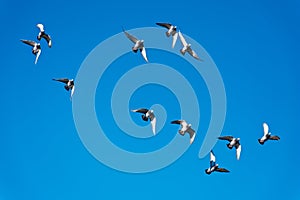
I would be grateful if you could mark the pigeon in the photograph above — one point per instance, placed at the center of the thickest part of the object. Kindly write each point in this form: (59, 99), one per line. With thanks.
(172, 30)
(69, 84)
(213, 166)
(267, 135)
(36, 48)
(187, 47)
(185, 127)
(233, 142)
(138, 45)
(42, 34)
(147, 114)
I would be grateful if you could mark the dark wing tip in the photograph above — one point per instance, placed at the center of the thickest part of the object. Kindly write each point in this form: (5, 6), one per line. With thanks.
(175, 122)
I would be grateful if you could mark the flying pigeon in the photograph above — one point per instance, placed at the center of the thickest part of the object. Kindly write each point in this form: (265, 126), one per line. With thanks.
(185, 127)
(267, 135)
(233, 142)
(138, 45)
(213, 166)
(36, 48)
(69, 84)
(147, 114)
(172, 30)
(187, 47)
(42, 34)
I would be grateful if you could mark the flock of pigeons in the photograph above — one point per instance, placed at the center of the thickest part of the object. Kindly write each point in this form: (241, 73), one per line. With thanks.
(149, 114)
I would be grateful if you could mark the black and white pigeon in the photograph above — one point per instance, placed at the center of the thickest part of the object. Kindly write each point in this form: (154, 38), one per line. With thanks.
(185, 128)
(147, 114)
(42, 34)
(36, 48)
(267, 135)
(69, 84)
(187, 47)
(233, 142)
(213, 165)
(172, 31)
(138, 45)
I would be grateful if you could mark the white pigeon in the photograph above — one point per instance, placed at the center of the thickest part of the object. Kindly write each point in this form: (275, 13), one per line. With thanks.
(69, 84)
(138, 45)
(172, 30)
(36, 48)
(187, 47)
(185, 127)
(147, 114)
(213, 166)
(233, 142)
(267, 135)
(42, 34)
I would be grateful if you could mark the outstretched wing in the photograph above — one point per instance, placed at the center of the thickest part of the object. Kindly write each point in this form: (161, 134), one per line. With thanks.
(183, 42)
(153, 123)
(63, 80)
(72, 92)
(266, 129)
(140, 110)
(228, 138)
(238, 152)
(212, 159)
(222, 170)
(274, 137)
(29, 42)
(175, 36)
(193, 53)
(130, 37)
(192, 134)
(166, 25)
(176, 122)
(143, 51)
(37, 56)
(48, 39)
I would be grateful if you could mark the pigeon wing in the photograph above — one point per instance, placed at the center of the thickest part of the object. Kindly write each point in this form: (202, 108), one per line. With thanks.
(166, 25)
(222, 170)
(63, 80)
(193, 53)
(29, 42)
(141, 110)
(48, 39)
(130, 37)
(183, 42)
(176, 122)
(212, 156)
(153, 123)
(266, 129)
(175, 36)
(274, 137)
(37, 56)
(143, 51)
(238, 152)
(41, 27)
(192, 134)
(72, 92)
(228, 138)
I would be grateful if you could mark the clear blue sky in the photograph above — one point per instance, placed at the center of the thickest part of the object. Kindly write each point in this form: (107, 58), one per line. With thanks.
(255, 46)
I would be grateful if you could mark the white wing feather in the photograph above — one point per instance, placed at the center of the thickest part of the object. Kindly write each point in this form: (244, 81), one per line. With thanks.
(37, 56)
(238, 152)
(212, 157)
(144, 54)
(153, 124)
(184, 43)
(266, 129)
(175, 36)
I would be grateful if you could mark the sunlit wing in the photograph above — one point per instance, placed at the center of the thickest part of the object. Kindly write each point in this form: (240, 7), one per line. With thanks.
(72, 91)
(153, 124)
(175, 36)
(266, 128)
(37, 56)
(183, 42)
(130, 37)
(144, 54)
(238, 152)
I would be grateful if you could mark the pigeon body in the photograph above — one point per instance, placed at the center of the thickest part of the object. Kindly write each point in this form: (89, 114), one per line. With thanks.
(185, 128)
(44, 35)
(69, 84)
(36, 48)
(138, 45)
(233, 142)
(213, 165)
(187, 47)
(267, 135)
(147, 114)
(172, 31)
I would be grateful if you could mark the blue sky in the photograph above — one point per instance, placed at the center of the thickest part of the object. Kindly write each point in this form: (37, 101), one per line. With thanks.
(255, 46)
